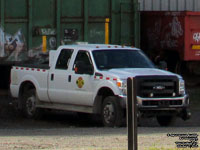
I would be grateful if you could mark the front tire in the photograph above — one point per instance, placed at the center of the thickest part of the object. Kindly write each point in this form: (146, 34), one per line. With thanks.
(112, 112)
(165, 121)
(29, 108)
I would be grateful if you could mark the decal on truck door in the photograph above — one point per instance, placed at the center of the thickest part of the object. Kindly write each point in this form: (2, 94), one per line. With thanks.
(80, 82)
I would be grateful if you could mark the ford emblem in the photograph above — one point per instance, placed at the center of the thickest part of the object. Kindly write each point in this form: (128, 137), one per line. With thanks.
(159, 87)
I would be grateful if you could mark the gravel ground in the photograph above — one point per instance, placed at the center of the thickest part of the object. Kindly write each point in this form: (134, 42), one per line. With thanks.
(68, 131)
(88, 138)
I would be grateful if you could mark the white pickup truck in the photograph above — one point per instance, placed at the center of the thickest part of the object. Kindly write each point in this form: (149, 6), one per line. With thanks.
(92, 79)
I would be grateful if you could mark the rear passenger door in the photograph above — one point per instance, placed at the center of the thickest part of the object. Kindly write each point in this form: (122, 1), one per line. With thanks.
(59, 78)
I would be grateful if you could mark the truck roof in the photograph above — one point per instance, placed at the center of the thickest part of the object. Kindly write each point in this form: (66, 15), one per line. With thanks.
(90, 47)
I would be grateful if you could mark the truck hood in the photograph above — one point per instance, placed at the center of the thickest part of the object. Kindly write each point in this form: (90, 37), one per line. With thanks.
(125, 73)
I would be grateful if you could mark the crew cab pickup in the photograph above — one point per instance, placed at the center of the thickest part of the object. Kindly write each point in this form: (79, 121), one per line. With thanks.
(92, 79)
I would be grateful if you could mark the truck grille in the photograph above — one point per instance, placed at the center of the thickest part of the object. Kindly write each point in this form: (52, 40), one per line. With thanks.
(157, 86)
(162, 103)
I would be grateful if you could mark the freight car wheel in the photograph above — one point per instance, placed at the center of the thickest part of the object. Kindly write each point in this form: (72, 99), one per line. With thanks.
(165, 120)
(112, 112)
(29, 105)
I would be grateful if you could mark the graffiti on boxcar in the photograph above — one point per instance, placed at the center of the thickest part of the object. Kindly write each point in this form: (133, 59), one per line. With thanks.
(170, 33)
(165, 34)
(168, 42)
(11, 46)
(196, 37)
(177, 30)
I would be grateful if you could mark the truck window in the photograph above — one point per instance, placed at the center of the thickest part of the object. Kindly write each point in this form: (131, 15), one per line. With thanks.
(64, 59)
(84, 58)
(112, 59)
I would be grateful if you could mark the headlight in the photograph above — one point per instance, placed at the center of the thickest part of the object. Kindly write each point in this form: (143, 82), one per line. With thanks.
(122, 84)
(181, 87)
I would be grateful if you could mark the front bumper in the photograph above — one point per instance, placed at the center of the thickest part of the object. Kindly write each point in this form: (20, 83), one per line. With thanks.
(149, 107)
(153, 103)
(159, 103)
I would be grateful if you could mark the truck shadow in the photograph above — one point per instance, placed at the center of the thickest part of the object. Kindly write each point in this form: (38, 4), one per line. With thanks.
(61, 119)
(10, 117)
(192, 122)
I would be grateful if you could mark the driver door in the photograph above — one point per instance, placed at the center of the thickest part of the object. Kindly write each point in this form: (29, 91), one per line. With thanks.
(82, 85)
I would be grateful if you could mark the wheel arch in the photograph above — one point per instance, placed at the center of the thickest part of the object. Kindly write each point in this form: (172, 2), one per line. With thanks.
(25, 86)
(102, 93)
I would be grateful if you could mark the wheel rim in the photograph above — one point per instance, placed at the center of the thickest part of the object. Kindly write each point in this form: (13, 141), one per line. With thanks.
(108, 113)
(30, 105)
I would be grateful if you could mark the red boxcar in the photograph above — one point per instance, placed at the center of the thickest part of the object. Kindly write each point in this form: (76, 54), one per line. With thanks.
(174, 35)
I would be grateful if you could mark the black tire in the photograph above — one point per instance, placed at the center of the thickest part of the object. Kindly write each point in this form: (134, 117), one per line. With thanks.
(112, 113)
(29, 108)
(165, 121)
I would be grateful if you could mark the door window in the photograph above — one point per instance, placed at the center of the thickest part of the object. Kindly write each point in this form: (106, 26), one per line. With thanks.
(83, 62)
(64, 59)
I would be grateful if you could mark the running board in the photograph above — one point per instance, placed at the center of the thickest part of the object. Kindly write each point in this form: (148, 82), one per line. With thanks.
(68, 107)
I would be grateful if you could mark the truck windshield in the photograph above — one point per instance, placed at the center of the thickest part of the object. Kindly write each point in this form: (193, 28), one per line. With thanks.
(111, 59)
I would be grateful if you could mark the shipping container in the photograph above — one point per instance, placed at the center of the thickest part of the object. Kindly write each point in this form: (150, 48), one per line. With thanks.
(174, 36)
(30, 28)
(169, 5)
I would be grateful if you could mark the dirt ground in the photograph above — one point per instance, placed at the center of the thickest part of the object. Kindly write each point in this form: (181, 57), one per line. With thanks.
(68, 131)
(90, 138)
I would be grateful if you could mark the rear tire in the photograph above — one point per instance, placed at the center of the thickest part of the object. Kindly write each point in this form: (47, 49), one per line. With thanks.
(112, 113)
(165, 120)
(29, 108)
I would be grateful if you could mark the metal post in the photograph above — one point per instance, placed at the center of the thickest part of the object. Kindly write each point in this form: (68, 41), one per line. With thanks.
(132, 114)
(58, 23)
(44, 43)
(86, 20)
(107, 22)
(30, 24)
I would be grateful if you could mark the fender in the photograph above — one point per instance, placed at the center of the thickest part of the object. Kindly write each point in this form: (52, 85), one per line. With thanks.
(109, 84)
(98, 98)
(41, 90)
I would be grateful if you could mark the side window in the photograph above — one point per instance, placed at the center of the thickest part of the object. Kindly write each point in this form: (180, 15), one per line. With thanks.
(83, 63)
(64, 59)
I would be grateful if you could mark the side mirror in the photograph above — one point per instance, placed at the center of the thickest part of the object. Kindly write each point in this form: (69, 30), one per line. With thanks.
(82, 68)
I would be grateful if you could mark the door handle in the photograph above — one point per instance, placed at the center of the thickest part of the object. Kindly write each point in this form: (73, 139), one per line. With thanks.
(69, 78)
(52, 77)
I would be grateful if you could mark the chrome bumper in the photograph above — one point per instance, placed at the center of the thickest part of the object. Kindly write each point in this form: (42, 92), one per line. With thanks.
(163, 103)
